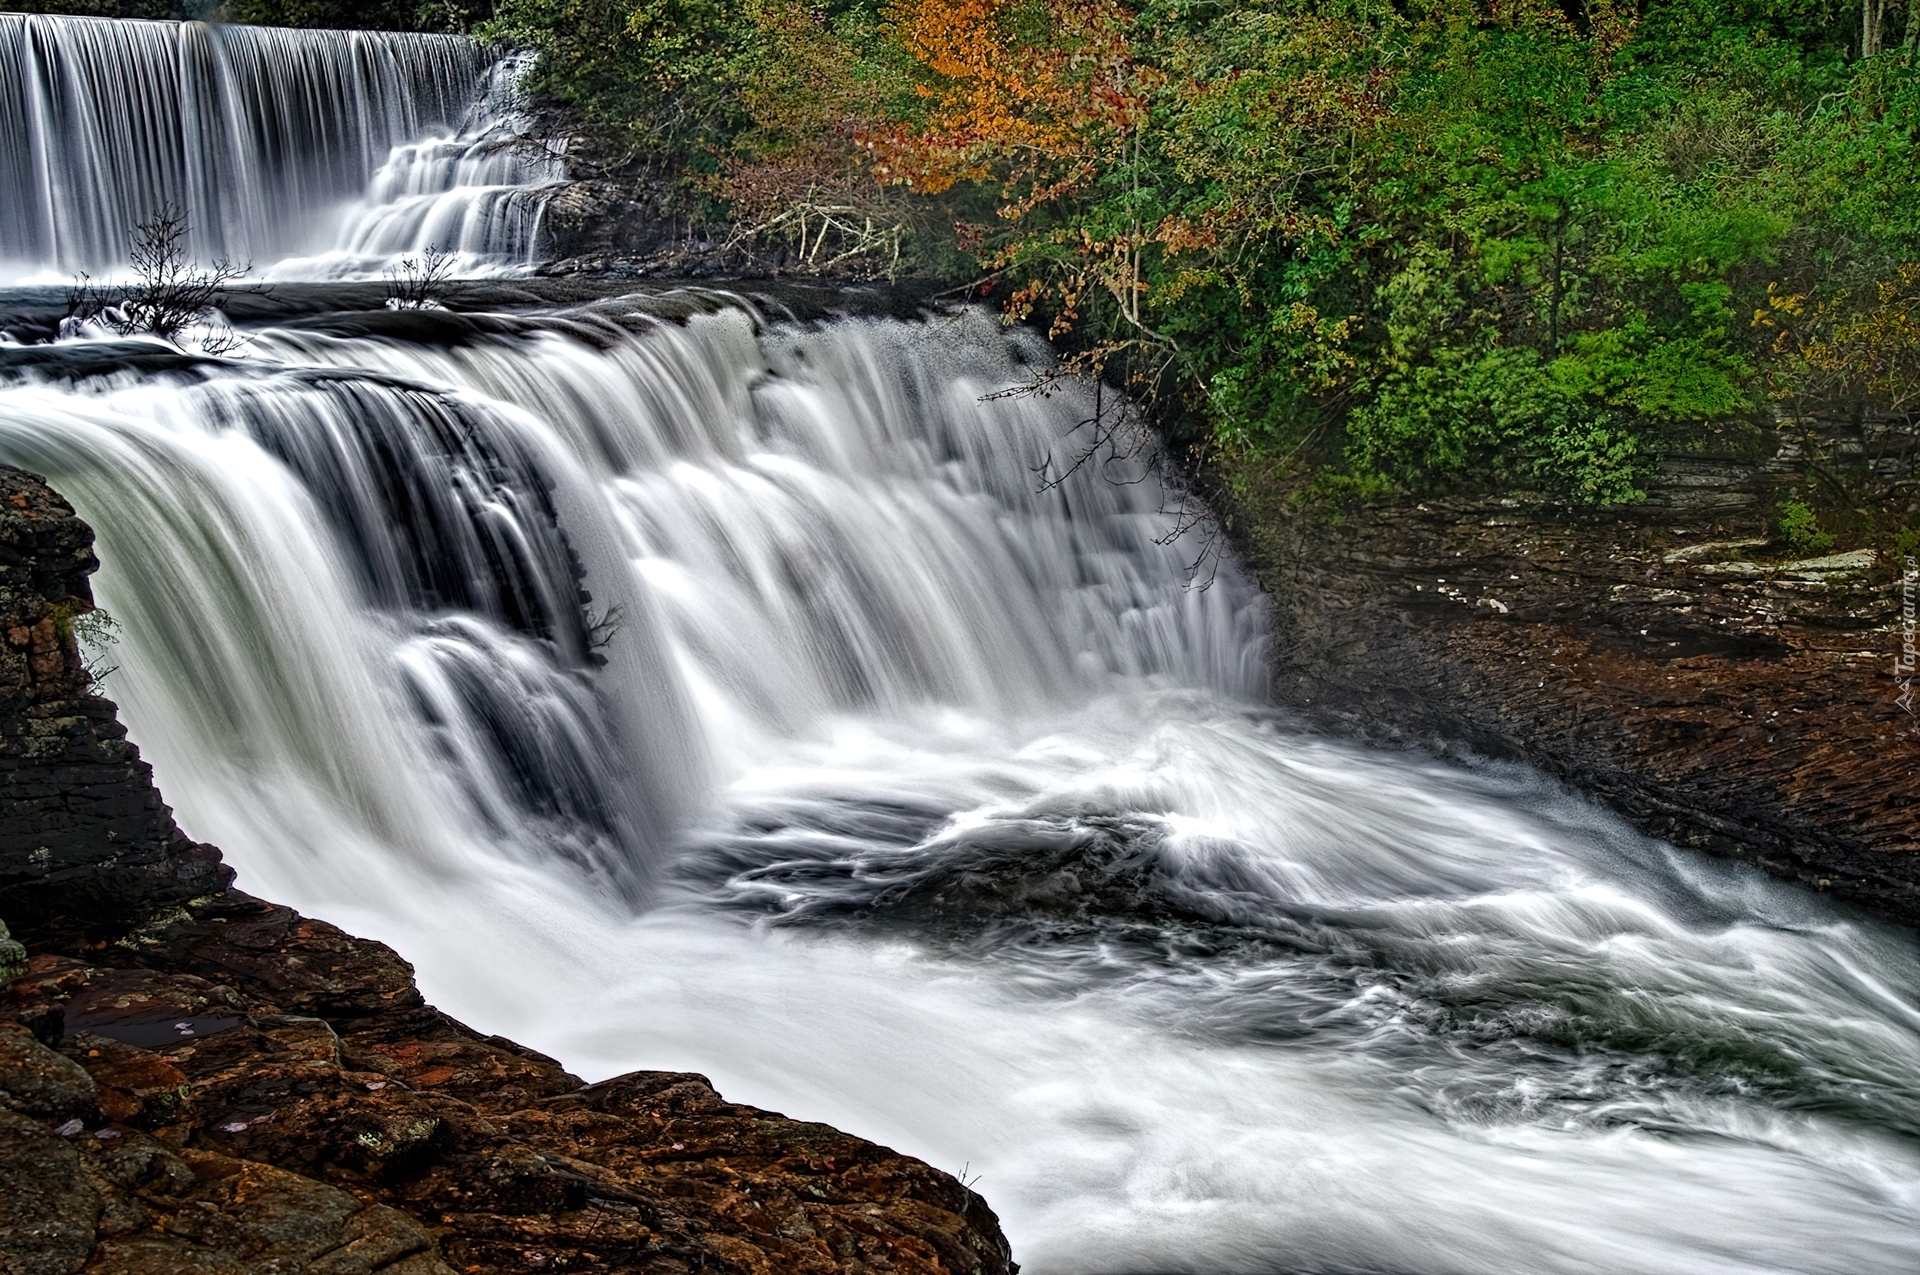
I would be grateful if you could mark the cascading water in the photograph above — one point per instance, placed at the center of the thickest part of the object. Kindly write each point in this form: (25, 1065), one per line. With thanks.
(302, 154)
(476, 195)
(731, 696)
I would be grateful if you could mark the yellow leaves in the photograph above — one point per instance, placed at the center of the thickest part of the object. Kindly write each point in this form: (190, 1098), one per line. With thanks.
(1780, 313)
(1780, 305)
(1185, 281)
(1870, 348)
(1324, 356)
(806, 86)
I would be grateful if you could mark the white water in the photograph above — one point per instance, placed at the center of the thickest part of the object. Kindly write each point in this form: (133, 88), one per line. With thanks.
(299, 154)
(901, 794)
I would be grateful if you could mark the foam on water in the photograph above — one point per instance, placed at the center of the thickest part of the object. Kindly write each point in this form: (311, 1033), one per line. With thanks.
(733, 697)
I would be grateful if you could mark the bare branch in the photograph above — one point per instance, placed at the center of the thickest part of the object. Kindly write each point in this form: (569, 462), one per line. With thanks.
(421, 283)
(169, 293)
(1119, 444)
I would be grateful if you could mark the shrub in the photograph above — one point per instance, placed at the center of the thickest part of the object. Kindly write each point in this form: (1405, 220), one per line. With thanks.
(1499, 417)
(1799, 526)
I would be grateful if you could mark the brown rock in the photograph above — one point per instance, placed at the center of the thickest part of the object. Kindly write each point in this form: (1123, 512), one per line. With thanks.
(128, 1078)
(83, 834)
(37, 1082)
(242, 1216)
(493, 1152)
(1665, 658)
(48, 1209)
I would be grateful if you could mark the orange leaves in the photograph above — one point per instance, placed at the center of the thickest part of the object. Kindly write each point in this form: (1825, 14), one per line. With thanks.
(947, 35)
(1180, 234)
(1041, 111)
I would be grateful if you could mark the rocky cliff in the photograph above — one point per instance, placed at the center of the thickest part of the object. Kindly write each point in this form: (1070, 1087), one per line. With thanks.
(83, 831)
(194, 1080)
(1670, 658)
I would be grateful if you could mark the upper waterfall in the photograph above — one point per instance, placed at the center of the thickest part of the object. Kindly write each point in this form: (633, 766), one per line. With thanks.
(299, 153)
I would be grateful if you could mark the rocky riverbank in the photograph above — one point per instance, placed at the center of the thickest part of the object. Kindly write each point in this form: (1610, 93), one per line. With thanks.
(192, 1079)
(1672, 658)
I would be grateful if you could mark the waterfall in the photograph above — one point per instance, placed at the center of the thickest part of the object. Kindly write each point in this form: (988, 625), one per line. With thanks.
(592, 563)
(729, 694)
(678, 688)
(301, 153)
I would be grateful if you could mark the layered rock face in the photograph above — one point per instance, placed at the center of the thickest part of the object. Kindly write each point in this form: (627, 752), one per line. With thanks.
(83, 832)
(1718, 691)
(193, 1080)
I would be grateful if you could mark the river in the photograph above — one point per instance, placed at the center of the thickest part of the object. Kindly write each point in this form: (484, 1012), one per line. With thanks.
(680, 685)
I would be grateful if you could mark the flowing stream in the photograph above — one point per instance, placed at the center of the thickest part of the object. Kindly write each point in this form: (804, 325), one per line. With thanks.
(726, 695)
(682, 688)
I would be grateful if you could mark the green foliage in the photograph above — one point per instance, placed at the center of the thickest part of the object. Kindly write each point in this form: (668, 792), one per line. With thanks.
(589, 58)
(1445, 244)
(748, 111)
(378, 15)
(162, 10)
(691, 82)
(368, 15)
(1498, 417)
(1335, 491)
(1799, 526)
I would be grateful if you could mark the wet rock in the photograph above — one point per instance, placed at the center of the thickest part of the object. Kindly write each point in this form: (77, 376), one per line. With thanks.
(48, 1209)
(494, 1152)
(1667, 658)
(234, 1215)
(13, 957)
(37, 1082)
(82, 829)
(136, 1178)
(132, 1084)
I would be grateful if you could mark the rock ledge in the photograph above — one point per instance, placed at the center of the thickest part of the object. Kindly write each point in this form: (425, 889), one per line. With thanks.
(236, 1088)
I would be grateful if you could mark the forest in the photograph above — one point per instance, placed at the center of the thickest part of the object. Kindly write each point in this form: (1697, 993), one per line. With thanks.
(1421, 247)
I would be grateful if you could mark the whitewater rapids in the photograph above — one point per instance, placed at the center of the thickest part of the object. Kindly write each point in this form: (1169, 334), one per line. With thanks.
(730, 696)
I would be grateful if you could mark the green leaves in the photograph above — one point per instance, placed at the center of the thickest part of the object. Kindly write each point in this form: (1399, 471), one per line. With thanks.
(1499, 416)
(1444, 243)
(1564, 232)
